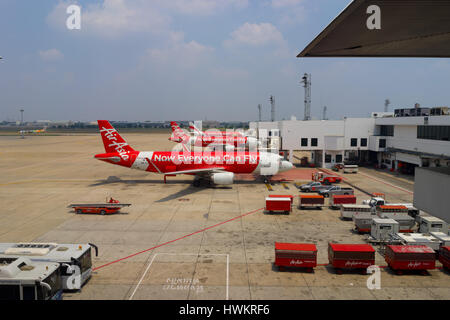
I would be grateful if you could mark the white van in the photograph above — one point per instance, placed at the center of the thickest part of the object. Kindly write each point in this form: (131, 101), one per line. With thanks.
(350, 168)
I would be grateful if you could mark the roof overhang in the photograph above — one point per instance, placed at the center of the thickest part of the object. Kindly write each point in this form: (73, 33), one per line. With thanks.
(408, 28)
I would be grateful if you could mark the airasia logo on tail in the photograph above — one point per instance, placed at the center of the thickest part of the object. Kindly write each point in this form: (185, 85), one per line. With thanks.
(118, 146)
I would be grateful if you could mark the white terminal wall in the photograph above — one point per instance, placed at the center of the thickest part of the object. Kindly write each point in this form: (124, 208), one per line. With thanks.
(432, 191)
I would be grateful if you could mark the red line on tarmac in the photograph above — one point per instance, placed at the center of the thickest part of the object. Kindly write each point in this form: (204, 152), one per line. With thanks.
(183, 237)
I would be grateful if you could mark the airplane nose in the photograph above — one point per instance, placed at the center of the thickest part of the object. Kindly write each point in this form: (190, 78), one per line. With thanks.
(286, 165)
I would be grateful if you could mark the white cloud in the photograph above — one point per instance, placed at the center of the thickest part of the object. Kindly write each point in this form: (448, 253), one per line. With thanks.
(180, 54)
(255, 35)
(51, 55)
(113, 18)
(285, 3)
(202, 7)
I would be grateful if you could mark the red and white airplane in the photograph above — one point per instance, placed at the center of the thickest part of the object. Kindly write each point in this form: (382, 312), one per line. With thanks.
(216, 138)
(214, 133)
(215, 167)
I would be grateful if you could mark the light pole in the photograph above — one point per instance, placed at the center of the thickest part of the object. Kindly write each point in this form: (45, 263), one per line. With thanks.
(21, 123)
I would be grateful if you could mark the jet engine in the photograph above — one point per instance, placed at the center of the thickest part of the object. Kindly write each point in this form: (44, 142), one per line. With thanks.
(222, 178)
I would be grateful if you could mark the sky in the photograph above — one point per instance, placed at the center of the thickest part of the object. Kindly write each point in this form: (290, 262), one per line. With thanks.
(193, 59)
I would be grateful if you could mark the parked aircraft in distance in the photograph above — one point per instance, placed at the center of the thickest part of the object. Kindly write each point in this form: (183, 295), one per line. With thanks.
(33, 131)
(213, 167)
(202, 139)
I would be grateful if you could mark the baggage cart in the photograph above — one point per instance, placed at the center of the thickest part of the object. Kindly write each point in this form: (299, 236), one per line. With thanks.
(298, 255)
(348, 211)
(363, 222)
(351, 256)
(405, 223)
(291, 197)
(419, 239)
(278, 205)
(110, 207)
(410, 257)
(316, 201)
(337, 200)
(444, 257)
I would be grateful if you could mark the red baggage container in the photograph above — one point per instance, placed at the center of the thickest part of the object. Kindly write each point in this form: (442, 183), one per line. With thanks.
(338, 199)
(351, 256)
(282, 196)
(410, 257)
(444, 256)
(278, 205)
(299, 255)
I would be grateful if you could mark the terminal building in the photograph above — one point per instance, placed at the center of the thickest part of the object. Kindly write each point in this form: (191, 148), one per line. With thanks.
(403, 140)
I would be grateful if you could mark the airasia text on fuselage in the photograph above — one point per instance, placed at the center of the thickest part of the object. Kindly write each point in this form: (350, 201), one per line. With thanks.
(200, 157)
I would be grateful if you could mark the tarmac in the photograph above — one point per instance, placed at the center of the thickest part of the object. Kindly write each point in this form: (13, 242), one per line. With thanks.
(186, 242)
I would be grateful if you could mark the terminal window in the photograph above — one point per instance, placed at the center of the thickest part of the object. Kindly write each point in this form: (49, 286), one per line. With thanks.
(327, 158)
(363, 142)
(313, 142)
(382, 143)
(353, 142)
(433, 132)
(304, 142)
(387, 131)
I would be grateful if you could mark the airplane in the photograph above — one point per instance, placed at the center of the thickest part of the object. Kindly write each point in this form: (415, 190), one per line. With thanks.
(34, 131)
(214, 133)
(207, 139)
(212, 167)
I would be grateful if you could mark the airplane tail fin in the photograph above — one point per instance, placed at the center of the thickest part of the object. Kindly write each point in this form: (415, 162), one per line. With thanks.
(176, 130)
(194, 128)
(112, 140)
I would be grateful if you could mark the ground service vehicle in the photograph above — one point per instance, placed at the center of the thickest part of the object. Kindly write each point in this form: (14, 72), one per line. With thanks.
(23, 279)
(382, 229)
(312, 186)
(350, 168)
(75, 259)
(311, 201)
(336, 190)
(348, 211)
(325, 179)
(110, 207)
(432, 224)
(299, 255)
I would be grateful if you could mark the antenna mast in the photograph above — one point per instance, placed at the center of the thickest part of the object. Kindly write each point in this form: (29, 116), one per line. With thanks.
(306, 80)
(272, 108)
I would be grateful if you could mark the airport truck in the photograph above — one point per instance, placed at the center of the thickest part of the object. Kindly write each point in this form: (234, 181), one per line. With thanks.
(336, 190)
(326, 178)
(313, 186)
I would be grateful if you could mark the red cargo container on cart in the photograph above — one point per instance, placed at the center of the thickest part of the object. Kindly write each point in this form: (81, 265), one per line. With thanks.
(444, 256)
(282, 196)
(311, 201)
(299, 255)
(339, 199)
(410, 257)
(351, 256)
(279, 205)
